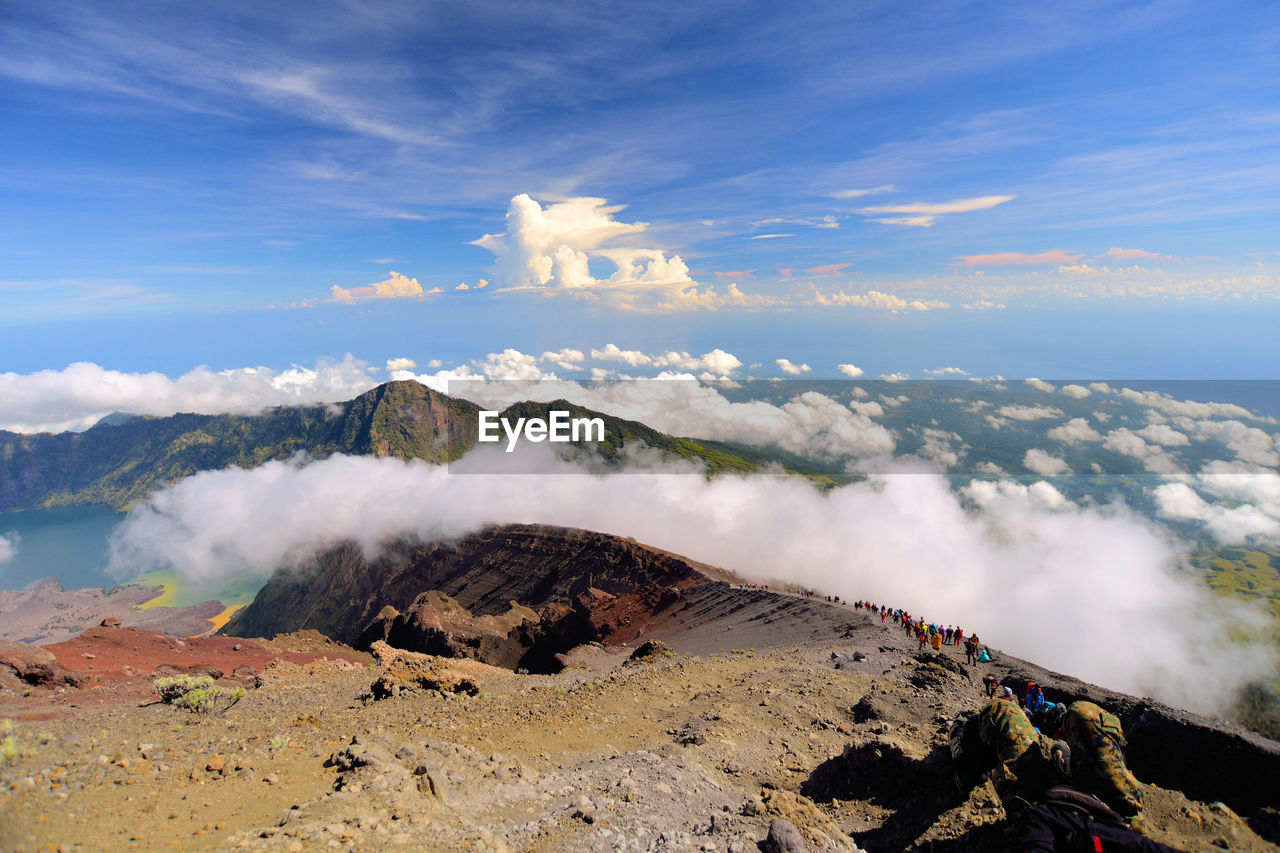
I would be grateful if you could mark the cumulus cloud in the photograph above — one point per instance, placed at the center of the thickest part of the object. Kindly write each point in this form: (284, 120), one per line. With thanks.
(717, 362)
(401, 364)
(1019, 552)
(1079, 392)
(396, 287)
(1250, 513)
(552, 248)
(1250, 444)
(1130, 443)
(947, 371)
(850, 370)
(1168, 405)
(83, 393)
(1165, 435)
(786, 366)
(1029, 413)
(1041, 385)
(1074, 431)
(874, 299)
(566, 359)
(1045, 464)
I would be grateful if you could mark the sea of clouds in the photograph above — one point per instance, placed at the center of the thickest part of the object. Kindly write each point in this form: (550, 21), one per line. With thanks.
(1096, 592)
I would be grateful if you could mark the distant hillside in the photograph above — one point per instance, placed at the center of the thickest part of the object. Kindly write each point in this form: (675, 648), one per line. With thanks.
(119, 464)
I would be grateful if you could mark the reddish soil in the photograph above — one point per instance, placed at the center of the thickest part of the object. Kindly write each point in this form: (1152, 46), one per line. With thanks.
(119, 665)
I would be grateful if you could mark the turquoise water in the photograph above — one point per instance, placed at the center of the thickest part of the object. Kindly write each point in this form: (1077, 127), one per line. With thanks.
(67, 543)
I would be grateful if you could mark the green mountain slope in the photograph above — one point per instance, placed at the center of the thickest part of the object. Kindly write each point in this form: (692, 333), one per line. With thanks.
(119, 465)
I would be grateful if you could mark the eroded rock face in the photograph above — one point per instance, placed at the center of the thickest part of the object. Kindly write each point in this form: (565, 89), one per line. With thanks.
(436, 624)
(484, 572)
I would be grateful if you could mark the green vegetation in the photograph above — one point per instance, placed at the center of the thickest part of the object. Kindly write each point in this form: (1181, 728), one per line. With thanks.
(1250, 574)
(119, 465)
(11, 751)
(196, 693)
(1258, 708)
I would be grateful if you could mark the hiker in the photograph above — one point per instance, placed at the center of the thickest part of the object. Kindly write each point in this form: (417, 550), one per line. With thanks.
(989, 684)
(1097, 758)
(1034, 700)
(1052, 790)
(936, 641)
(1064, 818)
(970, 651)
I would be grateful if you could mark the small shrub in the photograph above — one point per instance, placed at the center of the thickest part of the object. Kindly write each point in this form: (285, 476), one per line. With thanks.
(10, 750)
(196, 693)
(279, 742)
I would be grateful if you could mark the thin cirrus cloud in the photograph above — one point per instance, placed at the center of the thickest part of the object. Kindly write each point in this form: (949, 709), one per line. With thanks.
(828, 269)
(1118, 254)
(846, 194)
(922, 214)
(1054, 257)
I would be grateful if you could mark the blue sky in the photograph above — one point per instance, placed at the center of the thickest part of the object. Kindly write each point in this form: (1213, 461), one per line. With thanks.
(1081, 189)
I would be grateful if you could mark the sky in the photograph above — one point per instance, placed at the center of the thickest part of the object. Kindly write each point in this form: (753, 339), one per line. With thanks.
(1086, 189)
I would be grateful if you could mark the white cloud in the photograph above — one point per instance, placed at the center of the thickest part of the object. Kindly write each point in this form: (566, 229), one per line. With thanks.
(566, 359)
(870, 408)
(1021, 553)
(400, 364)
(1077, 391)
(947, 371)
(1044, 464)
(1029, 413)
(1250, 444)
(1165, 435)
(1186, 408)
(1041, 385)
(396, 287)
(552, 249)
(924, 214)
(8, 547)
(794, 369)
(850, 370)
(1130, 443)
(873, 299)
(1252, 514)
(846, 194)
(717, 362)
(1074, 431)
(83, 393)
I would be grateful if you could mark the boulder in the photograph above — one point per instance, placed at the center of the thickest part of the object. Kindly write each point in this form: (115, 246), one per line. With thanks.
(35, 665)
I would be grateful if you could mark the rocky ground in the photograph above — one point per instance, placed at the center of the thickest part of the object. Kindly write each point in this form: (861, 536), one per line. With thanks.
(707, 748)
(46, 613)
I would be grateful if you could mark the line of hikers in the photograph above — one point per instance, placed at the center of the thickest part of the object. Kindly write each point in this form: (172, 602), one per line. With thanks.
(931, 634)
(1058, 769)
